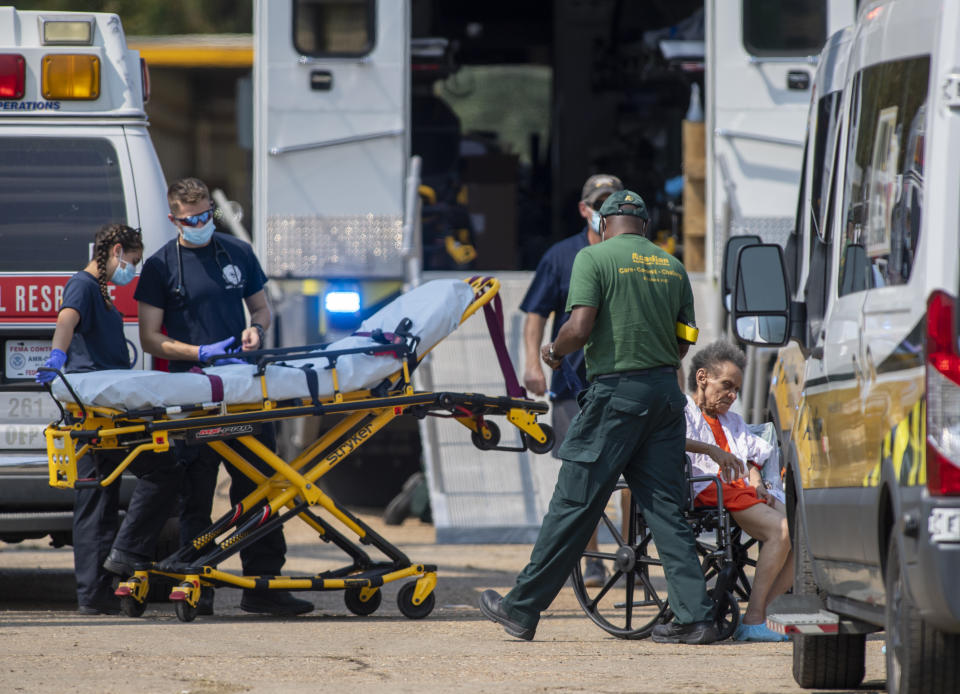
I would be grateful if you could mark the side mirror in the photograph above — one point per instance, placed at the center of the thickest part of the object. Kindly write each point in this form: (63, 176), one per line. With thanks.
(730, 254)
(761, 306)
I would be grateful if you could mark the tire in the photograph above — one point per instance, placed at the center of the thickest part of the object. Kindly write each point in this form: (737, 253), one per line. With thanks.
(628, 604)
(405, 602)
(185, 611)
(535, 445)
(727, 614)
(920, 659)
(486, 444)
(822, 662)
(351, 597)
(131, 607)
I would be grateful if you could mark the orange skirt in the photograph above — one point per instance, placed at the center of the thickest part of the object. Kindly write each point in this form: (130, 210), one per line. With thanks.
(737, 496)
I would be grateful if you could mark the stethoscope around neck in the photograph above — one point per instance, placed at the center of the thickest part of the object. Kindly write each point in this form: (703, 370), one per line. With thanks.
(180, 291)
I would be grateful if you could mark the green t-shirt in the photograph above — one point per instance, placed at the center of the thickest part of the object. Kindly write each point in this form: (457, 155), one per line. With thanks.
(640, 292)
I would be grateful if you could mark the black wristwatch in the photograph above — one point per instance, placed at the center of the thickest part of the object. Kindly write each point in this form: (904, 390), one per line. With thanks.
(260, 332)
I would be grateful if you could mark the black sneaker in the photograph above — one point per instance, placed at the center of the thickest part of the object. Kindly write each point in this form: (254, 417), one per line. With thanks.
(279, 603)
(696, 633)
(108, 607)
(123, 563)
(399, 507)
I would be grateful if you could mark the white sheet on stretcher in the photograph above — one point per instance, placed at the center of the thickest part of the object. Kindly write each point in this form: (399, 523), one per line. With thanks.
(435, 309)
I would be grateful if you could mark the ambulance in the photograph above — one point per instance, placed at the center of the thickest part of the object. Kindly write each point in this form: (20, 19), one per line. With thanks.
(870, 420)
(75, 154)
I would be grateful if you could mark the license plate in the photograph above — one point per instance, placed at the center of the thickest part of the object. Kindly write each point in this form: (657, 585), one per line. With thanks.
(23, 408)
(22, 357)
(944, 525)
(22, 436)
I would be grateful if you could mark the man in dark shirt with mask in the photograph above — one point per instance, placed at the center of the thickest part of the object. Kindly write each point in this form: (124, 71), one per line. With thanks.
(191, 297)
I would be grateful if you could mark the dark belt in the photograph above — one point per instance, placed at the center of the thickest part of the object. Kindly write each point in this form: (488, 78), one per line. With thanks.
(637, 372)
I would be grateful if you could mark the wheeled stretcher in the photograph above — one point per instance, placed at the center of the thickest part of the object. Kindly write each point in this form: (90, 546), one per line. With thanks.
(365, 378)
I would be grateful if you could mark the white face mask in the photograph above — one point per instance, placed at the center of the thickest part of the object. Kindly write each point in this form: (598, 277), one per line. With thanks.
(595, 221)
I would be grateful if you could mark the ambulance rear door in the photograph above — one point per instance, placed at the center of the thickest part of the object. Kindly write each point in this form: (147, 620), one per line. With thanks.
(331, 140)
(760, 64)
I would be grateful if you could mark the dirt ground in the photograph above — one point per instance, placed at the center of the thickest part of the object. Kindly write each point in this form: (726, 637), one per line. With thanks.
(45, 646)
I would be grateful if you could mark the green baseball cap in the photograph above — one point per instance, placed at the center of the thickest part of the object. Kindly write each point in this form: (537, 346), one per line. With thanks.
(624, 202)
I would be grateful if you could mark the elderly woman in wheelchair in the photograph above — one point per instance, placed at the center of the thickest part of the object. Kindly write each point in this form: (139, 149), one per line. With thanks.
(714, 435)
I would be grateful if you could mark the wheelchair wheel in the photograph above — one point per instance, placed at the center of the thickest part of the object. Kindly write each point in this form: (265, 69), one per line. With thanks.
(630, 601)
(727, 615)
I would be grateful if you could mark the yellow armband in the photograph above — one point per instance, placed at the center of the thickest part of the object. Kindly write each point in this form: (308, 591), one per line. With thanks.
(687, 333)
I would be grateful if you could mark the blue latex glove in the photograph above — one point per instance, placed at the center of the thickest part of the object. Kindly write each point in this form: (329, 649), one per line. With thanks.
(56, 361)
(222, 347)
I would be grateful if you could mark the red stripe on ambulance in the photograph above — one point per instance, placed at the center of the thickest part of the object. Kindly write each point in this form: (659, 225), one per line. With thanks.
(37, 298)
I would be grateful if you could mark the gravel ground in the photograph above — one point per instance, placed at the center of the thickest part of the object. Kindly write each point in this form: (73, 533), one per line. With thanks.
(45, 646)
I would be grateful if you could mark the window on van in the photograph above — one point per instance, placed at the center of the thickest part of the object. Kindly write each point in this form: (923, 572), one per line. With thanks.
(333, 27)
(828, 111)
(883, 192)
(788, 27)
(55, 194)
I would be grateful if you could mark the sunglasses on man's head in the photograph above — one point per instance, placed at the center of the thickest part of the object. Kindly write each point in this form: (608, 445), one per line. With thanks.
(196, 219)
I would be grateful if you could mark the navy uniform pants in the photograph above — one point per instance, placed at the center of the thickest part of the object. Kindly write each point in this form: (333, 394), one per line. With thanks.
(96, 520)
(201, 465)
(630, 425)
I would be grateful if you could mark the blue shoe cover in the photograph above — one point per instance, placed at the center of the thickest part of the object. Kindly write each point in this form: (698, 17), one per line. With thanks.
(757, 632)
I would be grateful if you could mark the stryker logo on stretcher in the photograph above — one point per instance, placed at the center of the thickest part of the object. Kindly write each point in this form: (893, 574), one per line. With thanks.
(32, 298)
(29, 105)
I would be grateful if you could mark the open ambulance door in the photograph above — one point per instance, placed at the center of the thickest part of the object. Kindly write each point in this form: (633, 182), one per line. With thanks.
(331, 136)
(760, 65)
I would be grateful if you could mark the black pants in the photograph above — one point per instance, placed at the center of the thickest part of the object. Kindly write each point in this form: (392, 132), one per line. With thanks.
(201, 466)
(96, 520)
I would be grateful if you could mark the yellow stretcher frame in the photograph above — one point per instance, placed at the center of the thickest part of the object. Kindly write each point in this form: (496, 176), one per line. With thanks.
(292, 489)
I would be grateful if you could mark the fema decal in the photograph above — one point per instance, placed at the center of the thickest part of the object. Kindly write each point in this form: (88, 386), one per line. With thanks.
(29, 105)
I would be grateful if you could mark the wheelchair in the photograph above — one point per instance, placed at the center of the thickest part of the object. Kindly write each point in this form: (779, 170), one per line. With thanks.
(632, 601)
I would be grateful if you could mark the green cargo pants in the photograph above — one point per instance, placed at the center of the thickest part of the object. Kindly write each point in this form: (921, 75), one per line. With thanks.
(630, 425)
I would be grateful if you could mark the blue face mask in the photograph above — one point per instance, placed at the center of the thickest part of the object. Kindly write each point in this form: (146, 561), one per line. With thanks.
(200, 236)
(595, 221)
(124, 272)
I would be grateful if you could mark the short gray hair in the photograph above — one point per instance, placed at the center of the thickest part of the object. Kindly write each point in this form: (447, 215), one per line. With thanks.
(711, 356)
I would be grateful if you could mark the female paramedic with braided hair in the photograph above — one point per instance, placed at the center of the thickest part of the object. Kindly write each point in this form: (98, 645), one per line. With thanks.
(89, 337)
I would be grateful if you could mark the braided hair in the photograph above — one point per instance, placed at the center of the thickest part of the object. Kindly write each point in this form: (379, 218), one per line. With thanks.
(108, 237)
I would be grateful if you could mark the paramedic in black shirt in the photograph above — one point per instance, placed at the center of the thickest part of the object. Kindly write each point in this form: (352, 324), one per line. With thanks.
(191, 298)
(89, 337)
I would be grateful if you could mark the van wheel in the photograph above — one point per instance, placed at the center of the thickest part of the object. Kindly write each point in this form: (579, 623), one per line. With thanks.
(920, 658)
(822, 662)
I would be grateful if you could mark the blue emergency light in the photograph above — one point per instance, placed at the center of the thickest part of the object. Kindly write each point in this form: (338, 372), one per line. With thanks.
(340, 301)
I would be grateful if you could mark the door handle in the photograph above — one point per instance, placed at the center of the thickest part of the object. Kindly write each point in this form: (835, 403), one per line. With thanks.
(798, 80)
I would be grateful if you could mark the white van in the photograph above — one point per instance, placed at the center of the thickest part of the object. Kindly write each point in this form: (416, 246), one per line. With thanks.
(872, 453)
(74, 154)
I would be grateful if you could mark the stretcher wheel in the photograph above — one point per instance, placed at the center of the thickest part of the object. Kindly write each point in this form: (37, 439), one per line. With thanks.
(486, 444)
(727, 614)
(405, 602)
(131, 607)
(185, 611)
(351, 597)
(535, 445)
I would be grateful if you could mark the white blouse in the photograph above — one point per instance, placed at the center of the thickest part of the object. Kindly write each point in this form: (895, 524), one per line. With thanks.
(743, 444)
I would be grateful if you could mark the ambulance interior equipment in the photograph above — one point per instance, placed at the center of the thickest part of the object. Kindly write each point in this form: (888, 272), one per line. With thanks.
(365, 377)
